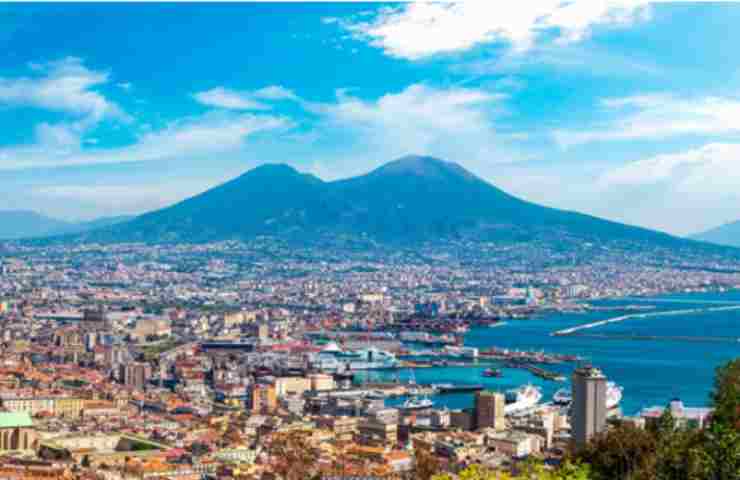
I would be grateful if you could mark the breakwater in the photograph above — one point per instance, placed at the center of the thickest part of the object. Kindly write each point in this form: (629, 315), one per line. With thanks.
(585, 326)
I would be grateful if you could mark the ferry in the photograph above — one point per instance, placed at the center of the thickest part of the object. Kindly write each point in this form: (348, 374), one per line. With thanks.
(522, 398)
(333, 358)
(613, 396)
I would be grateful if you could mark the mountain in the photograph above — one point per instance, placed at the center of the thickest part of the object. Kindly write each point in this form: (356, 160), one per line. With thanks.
(727, 234)
(26, 223)
(15, 224)
(410, 200)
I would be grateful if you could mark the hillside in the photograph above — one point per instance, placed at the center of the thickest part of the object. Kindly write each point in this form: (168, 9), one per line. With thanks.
(410, 200)
(727, 234)
(16, 224)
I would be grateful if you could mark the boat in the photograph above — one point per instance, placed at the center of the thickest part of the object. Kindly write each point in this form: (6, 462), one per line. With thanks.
(459, 388)
(522, 398)
(463, 352)
(366, 359)
(417, 404)
(613, 396)
(375, 395)
(492, 372)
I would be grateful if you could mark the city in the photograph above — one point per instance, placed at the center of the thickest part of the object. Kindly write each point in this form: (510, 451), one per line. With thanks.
(423, 240)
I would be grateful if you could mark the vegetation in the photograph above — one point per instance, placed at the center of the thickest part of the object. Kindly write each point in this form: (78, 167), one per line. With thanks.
(663, 451)
(667, 451)
(531, 471)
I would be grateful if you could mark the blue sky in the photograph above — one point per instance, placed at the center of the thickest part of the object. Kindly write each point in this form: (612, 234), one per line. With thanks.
(627, 110)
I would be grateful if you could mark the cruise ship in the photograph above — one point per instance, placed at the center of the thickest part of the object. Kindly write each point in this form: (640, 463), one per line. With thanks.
(332, 358)
(613, 396)
(522, 398)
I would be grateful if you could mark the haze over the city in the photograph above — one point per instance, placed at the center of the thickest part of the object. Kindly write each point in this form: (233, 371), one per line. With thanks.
(624, 110)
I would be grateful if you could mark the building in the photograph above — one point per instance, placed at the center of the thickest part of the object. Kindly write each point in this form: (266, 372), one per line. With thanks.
(462, 419)
(374, 432)
(16, 431)
(489, 410)
(514, 444)
(589, 412)
(136, 374)
(292, 386)
(344, 427)
(321, 382)
(692, 417)
(61, 406)
(263, 398)
(152, 327)
(94, 320)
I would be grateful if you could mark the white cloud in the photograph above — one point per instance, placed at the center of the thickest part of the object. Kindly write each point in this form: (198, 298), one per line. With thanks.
(275, 92)
(214, 132)
(683, 192)
(229, 99)
(452, 123)
(711, 168)
(64, 86)
(117, 199)
(422, 29)
(221, 97)
(658, 116)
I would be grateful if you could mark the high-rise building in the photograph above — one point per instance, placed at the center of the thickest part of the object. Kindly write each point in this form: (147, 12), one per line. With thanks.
(136, 374)
(588, 415)
(489, 410)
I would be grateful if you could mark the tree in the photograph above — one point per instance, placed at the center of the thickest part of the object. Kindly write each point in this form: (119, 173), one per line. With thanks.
(726, 395)
(720, 453)
(426, 464)
(291, 457)
(621, 452)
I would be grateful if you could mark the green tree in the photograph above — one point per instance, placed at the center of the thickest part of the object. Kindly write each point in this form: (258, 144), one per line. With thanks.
(622, 452)
(726, 395)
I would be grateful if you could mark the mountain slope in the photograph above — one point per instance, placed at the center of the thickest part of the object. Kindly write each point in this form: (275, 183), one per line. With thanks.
(727, 234)
(26, 223)
(16, 224)
(410, 200)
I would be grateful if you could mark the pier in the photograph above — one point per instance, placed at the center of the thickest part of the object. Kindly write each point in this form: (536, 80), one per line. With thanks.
(573, 330)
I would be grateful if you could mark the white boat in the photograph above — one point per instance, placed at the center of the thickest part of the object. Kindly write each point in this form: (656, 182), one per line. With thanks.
(522, 398)
(613, 395)
(417, 404)
(366, 359)
(375, 395)
(464, 352)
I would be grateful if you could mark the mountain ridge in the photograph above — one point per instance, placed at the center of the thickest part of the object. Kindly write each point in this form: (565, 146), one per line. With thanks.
(408, 201)
(727, 234)
(18, 224)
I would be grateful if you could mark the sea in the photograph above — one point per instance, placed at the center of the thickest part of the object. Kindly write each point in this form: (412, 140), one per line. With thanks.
(652, 371)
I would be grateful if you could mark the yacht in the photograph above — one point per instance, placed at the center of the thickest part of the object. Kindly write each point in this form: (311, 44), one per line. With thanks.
(613, 395)
(522, 398)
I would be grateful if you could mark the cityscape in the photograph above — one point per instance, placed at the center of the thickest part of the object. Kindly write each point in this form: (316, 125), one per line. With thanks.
(241, 292)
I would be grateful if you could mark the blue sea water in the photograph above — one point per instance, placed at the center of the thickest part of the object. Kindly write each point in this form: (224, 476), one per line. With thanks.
(652, 372)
